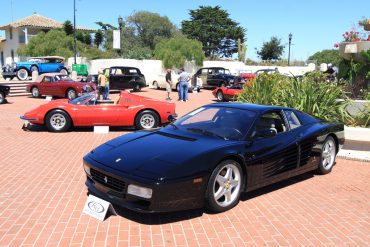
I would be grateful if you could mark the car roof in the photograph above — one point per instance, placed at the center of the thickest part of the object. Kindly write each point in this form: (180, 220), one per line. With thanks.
(251, 107)
(128, 67)
(213, 68)
(41, 77)
(49, 57)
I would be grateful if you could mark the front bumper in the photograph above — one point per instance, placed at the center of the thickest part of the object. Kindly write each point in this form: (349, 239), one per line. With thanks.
(28, 118)
(9, 73)
(166, 197)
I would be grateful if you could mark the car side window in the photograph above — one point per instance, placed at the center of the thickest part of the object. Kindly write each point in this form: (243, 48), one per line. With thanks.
(272, 121)
(47, 79)
(292, 119)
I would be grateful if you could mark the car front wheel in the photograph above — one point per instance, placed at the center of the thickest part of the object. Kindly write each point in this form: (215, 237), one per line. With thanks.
(22, 74)
(35, 92)
(58, 121)
(224, 186)
(220, 96)
(155, 85)
(328, 155)
(146, 120)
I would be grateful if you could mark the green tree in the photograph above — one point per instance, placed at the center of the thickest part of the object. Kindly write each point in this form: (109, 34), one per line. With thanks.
(57, 43)
(98, 38)
(217, 32)
(150, 28)
(87, 38)
(271, 50)
(68, 27)
(107, 30)
(326, 56)
(176, 51)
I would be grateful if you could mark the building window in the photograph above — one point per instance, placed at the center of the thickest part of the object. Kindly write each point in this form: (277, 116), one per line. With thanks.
(11, 33)
(12, 54)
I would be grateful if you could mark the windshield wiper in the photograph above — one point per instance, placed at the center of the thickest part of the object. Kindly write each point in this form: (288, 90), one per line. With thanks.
(174, 126)
(206, 132)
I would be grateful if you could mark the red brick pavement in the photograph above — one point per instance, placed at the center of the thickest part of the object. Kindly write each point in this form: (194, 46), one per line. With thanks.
(42, 194)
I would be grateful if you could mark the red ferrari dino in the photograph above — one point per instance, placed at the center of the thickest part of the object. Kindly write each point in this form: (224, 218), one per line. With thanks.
(128, 110)
(228, 93)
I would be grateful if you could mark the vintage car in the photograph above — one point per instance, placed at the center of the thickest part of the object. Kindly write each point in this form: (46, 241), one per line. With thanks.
(121, 77)
(61, 85)
(214, 77)
(160, 82)
(23, 70)
(210, 156)
(128, 110)
(228, 93)
(4, 91)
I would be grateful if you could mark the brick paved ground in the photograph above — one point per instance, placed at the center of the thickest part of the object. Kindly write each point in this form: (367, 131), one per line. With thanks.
(42, 194)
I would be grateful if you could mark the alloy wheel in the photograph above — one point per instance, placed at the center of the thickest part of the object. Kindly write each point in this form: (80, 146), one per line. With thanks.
(57, 121)
(227, 185)
(147, 121)
(35, 92)
(328, 154)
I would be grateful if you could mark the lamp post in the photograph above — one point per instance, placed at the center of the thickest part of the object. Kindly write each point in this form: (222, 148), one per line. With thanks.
(290, 42)
(120, 24)
(74, 31)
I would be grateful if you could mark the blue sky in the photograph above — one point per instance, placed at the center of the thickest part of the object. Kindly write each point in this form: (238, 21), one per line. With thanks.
(315, 24)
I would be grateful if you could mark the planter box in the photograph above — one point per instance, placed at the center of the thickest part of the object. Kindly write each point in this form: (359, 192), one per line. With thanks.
(350, 50)
(357, 134)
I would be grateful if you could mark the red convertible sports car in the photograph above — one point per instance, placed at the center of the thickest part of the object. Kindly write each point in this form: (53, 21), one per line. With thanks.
(228, 93)
(56, 84)
(127, 110)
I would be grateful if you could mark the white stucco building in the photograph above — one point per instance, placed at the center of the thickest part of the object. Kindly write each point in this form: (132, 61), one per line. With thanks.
(19, 32)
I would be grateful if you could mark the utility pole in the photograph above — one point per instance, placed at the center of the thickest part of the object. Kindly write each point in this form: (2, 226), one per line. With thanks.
(74, 30)
(120, 24)
(290, 42)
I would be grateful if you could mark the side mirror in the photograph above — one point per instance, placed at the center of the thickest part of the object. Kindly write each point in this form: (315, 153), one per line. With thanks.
(172, 118)
(266, 133)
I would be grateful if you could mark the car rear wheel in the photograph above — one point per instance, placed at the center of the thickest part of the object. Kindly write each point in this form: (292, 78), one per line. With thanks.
(220, 96)
(328, 155)
(146, 120)
(63, 71)
(224, 186)
(35, 92)
(22, 74)
(178, 87)
(71, 94)
(58, 121)
(2, 97)
(137, 87)
(155, 85)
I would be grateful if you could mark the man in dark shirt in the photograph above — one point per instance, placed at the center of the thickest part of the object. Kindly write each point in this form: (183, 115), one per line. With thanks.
(168, 84)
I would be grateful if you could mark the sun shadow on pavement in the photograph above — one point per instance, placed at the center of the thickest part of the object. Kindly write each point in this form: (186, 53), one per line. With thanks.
(157, 218)
(276, 186)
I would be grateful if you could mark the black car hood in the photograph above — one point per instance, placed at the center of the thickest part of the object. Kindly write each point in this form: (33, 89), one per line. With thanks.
(153, 154)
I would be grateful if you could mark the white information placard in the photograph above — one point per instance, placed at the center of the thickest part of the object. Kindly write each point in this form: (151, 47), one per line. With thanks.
(49, 98)
(98, 208)
(116, 39)
(101, 129)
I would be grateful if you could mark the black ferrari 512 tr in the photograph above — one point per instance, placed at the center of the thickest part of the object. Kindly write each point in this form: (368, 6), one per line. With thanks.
(209, 156)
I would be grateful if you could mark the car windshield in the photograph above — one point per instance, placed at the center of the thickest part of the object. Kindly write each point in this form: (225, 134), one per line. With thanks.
(62, 78)
(87, 99)
(227, 123)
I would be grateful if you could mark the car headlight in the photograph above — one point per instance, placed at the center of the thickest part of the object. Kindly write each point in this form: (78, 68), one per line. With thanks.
(87, 169)
(14, 65)
(139, 191)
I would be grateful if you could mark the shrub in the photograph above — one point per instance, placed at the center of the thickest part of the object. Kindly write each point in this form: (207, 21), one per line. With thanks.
(312, 95)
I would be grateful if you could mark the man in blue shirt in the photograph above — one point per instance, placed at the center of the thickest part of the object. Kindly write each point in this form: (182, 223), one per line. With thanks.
(184, 79)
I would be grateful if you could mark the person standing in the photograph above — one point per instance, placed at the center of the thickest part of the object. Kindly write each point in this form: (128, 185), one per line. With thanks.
(106, 89)
(184, 85)
(102, 80)
(168, 84)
